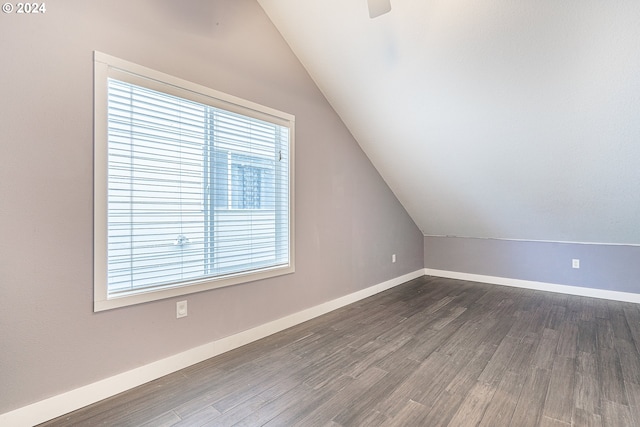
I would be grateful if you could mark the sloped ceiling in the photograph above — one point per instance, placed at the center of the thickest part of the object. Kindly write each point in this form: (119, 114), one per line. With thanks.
(492, 118)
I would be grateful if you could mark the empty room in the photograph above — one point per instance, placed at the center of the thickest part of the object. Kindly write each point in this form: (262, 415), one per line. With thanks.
(320, 213)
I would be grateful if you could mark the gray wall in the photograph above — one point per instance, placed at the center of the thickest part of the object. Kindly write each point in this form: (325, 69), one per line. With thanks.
(348, 223)
(609, 267)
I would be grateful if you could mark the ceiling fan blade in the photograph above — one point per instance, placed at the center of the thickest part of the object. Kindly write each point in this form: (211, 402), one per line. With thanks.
(378, 7)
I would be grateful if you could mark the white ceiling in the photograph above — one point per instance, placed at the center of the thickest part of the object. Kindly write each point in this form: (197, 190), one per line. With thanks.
(500, 119)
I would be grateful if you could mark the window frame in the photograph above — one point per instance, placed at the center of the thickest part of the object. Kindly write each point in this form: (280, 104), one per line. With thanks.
(105, 67)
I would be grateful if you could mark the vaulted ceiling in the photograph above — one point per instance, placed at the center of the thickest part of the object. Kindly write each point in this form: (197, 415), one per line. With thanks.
(497, 118)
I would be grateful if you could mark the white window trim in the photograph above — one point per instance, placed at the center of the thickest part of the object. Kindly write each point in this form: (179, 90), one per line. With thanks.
(106, 66)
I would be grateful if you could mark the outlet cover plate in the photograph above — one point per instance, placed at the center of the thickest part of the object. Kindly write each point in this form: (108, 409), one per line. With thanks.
(181, 309)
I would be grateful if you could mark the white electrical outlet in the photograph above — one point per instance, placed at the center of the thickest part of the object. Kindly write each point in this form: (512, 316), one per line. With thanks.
(181, 309)
(393, 258)
(575, 263)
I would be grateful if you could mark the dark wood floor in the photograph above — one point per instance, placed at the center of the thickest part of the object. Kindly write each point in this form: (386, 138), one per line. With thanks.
(432, 352)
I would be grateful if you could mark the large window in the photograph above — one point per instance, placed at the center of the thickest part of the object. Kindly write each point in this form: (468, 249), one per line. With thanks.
(193, 188)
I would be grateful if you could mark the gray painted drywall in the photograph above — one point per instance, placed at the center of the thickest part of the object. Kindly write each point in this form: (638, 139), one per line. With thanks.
(348, 222)
(609, 267)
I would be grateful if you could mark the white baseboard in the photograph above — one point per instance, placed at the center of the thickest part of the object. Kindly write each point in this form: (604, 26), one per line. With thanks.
(540, 286)
(61, 404)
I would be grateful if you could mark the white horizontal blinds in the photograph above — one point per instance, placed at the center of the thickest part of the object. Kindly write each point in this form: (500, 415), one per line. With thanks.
(193, 191)
(249, 227)
(155, 188)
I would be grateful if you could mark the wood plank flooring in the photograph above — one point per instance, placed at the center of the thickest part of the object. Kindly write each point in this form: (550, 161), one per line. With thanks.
(431, 352)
